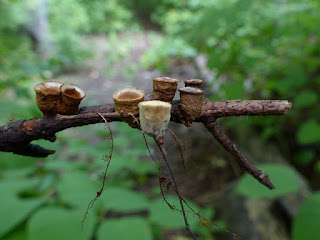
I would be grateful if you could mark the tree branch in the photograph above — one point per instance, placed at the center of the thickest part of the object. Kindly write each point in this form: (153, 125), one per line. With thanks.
(231, 148)
(17, 136)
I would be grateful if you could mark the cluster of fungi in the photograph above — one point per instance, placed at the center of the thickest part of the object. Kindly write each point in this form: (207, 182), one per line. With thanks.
(150, 113)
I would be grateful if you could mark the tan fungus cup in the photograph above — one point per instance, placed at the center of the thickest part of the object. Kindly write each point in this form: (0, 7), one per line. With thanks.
(126, 101)
(48, 97)
(154, 117)
(71, 96)
(191, 100)
(196, 83)
(164, 88)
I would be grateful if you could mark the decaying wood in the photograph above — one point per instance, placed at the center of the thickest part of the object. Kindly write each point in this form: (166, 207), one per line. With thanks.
(17, 136)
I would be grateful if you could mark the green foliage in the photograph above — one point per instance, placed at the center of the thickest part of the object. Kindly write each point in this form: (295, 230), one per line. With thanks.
(107, 16)
(309, 132)
(14, 208)
(39, 199)
(125, 228)
(257, 49)
(164, 49)
(306, 224)
(284, 178)
(57, 223)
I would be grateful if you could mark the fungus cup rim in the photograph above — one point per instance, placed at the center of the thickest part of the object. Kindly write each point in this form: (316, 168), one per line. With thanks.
(191, 90)
(155, 103)
(117, 93)
(166, 79)
(75, 87)
(39, 88)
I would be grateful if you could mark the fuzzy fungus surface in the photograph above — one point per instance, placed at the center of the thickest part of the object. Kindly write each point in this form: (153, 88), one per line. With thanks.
(154, 117)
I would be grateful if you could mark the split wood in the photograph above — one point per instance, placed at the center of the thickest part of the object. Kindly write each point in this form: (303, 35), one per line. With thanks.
(18, 135)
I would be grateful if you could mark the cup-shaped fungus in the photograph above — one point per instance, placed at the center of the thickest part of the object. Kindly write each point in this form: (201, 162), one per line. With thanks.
(191, 100)
(196, 83)
(48, 97)
(71, 96)
(164, 88)
(154, 117)
(126, 101)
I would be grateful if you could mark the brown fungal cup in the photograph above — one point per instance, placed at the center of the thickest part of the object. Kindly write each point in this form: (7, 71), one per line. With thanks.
(191, 100)
(164, 88)
(48, 97)
(126, 101)
(196, 83)
(71, 96)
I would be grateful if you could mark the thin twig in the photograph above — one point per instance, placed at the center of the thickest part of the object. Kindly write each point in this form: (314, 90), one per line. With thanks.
(159, 142)
(224, 140)
(107, 158)
(180, 145)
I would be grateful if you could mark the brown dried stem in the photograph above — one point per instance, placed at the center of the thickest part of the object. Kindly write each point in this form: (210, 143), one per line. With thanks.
(107, 158)
(231, 148)
(159, 142)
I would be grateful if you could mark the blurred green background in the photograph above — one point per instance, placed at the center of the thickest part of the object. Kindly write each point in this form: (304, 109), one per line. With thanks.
(242, 49)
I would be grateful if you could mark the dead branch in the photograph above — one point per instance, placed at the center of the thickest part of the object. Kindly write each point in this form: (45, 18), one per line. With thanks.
(17, 136)
(231, 148)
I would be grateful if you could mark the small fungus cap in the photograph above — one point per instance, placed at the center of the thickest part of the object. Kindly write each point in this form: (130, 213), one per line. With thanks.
(73, 91)
(128, 94)
(194, 81)
(166, 79)
(155, 104)
(48, 88)
(191, 90)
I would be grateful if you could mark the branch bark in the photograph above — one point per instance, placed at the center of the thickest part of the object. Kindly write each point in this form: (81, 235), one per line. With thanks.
(17, 136)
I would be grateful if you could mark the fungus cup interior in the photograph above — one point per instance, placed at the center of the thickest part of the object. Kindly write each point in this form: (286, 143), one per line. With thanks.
(73, 91)
(48, 88)
(128, 94)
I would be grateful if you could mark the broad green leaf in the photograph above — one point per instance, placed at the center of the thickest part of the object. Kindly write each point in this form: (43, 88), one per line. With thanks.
(284, 179)
(161, 215)
(19, 233)
(305, 99)
(53, 223)
(133, 228)
(15, 173)
(306, 225)
(123, 200)
(305, 157)
(77, 189)
(13, 209)
(309, 132)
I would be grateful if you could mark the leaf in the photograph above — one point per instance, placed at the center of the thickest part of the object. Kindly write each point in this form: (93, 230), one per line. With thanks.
(284, 178)
(306, 224)
(133, 228)
(13, 209)
(123, 200)
(77, 189)
(305, 157)
(54, 223)
(19, 233)
(163, 216)
(309, 132)
(305, 99)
